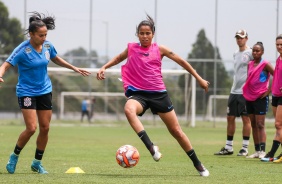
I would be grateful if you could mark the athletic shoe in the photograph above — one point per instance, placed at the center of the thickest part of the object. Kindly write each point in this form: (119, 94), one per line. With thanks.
(262, 154)
(243, 152)
(255, 155)
(224, 151)
(268, 158)
(279, 159)
(157, 155)
(202, 170)
(12, 163)
(37, 167)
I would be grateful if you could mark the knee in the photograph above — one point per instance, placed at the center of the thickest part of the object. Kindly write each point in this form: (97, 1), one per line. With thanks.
(129, 110)
(31, 130)
(260, 124)
(177, 133)
(44, 129)
(278, 124)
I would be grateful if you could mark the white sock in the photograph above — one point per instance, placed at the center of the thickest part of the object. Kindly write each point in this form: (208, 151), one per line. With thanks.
(229, 145)
(245, 144)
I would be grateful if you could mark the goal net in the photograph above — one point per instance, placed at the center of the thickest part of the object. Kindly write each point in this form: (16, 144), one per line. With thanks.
(216, 108)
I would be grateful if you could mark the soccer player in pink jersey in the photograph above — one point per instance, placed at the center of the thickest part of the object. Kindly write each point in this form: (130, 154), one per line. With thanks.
(276, 89)
(144, 88)
(256, 91)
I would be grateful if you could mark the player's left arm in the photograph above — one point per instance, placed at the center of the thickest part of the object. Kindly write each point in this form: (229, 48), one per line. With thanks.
(268, 68)
(61, 62)
(164, 51)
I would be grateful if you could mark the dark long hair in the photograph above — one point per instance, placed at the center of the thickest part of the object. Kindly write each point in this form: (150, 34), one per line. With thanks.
(279, 37)
(149, 22)
(261, 45)
(38, 20)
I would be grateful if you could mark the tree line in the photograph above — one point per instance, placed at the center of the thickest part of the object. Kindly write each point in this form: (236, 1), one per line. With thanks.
(12, 34)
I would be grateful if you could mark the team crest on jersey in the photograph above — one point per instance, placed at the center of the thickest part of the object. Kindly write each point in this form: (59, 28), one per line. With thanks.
(47, 46)
(245, 58)
(27, 50)
(47, 55)
(27, 101)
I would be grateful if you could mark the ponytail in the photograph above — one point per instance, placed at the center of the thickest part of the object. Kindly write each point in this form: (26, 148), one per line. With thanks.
(38, 20)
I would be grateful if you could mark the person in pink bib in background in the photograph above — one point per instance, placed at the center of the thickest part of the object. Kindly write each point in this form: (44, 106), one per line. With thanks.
(256, 91)
(144, 88)
(276, 106)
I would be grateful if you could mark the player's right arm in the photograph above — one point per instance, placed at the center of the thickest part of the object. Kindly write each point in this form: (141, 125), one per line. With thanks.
(114, 61)
(4, 67)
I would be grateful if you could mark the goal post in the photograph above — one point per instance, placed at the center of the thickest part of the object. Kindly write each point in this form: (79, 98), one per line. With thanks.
(210, 106)
(84, 94)
(189, 98)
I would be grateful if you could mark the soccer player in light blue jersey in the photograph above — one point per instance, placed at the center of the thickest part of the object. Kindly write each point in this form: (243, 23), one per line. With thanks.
(34, 88)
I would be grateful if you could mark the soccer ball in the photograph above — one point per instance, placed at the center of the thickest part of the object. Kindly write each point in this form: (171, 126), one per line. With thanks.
(127, 156)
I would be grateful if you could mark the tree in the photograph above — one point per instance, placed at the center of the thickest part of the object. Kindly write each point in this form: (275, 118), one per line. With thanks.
(203, 49)
(10, 31)
(80, 58)
(11, 35)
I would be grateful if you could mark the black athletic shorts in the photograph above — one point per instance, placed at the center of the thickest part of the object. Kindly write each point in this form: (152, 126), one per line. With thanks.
(157, 102)
(258, 107)
(236, 105)
(43, 102)
(276, 101)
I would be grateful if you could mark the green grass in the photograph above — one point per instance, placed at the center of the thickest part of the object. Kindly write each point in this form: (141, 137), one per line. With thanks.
(92, 148)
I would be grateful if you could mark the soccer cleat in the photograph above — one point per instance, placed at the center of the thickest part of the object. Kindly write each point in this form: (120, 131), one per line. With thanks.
(268, 158)
(224, 151)
(243, 152)
(202, 170)
(261, 154)
(12, 163)
(157, 155)
(37, 167)
(255, 155)
(279, 159)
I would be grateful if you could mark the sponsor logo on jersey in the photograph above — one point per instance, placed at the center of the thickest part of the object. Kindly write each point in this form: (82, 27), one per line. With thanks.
(246, 58)
(27, 50)
(47, 46)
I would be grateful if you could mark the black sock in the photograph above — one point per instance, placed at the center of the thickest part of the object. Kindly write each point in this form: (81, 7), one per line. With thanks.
(146, 140)
(17, 150)
(39, 154)
(262, 146)
(274, 148)
(229, 138)
(257, 147)
(246, 138)
(192, 155)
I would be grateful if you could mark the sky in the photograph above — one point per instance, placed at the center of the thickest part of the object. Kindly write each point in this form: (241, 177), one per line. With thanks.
(177, 23)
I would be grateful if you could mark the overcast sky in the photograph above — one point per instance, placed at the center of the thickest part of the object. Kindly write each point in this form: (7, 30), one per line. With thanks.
(177, 25)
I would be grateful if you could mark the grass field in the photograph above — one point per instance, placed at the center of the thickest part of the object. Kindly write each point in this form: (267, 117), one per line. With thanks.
(92, 148)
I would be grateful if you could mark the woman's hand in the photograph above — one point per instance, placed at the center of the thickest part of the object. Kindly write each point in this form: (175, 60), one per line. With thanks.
(81, 71)
(101, 74)
(204, 84)
(265, 94)
(1, 80)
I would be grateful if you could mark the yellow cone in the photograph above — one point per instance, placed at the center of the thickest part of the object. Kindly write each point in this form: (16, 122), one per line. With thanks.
(74, 170)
